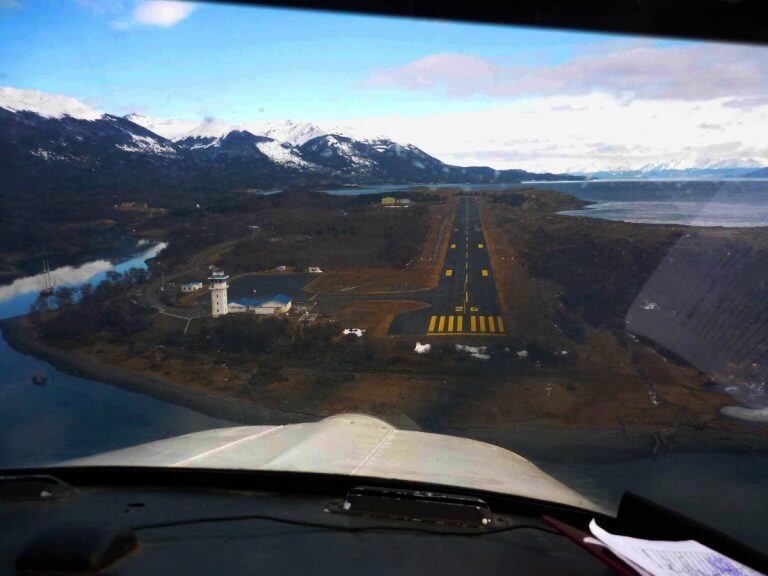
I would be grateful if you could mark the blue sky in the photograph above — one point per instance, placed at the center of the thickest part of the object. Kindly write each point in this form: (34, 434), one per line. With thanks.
(469, 94)
(234, 62)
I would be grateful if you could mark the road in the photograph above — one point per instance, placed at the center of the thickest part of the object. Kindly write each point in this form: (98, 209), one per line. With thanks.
(465, 302)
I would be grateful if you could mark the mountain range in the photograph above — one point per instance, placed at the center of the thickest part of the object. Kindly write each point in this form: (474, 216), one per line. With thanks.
(55, 141)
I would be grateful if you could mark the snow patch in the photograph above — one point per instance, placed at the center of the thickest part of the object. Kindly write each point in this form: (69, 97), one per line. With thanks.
(171, 129)
(422, 348)
(749, 414)
(346, 150)
(146, 145)
(47, 105)
(356, 331)
(49, 156)
(480, 352)
(283, 154)
(522, 354)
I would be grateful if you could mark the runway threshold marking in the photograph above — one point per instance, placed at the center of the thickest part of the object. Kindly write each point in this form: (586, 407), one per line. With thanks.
(482, 323)
(441, 324)
(432, 322)
(459, 323)
(491, 324)
(500, 323)
(450, 323)
(473, 324)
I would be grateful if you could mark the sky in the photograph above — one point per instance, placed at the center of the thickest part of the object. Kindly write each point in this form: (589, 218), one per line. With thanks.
(506, 97)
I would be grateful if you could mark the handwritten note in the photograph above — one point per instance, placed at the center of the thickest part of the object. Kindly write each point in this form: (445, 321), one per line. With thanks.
(665, 558)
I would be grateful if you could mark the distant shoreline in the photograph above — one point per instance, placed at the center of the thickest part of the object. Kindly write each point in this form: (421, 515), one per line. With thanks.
(538, 441)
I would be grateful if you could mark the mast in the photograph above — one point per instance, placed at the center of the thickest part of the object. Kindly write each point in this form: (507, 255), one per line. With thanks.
(48, 284)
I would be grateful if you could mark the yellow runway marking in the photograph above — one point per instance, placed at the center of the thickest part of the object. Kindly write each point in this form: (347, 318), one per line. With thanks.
(450, 323)
(482, 323)
(432, 322)
(479, 245)
(491, 324)
(484, 272)
(448, 273)
(453, 246)
(472, 324)
(500, 323)
(459, 323)
(441, 324)
(466, 265)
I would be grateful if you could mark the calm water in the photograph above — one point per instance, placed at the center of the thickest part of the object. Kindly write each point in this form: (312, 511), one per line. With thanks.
(733, 202)
(69, 416)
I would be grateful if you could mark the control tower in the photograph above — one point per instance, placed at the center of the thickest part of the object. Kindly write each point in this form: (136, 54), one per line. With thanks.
(218, 285)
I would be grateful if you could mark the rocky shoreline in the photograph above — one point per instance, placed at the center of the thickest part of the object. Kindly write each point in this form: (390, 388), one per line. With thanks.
(21, 337)
(537, 440)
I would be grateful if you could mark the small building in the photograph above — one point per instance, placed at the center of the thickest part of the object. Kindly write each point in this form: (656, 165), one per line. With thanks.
(271, 306)
(192, 286)
(403, 201)
(282, 268)
(314, 270)
(388, 201)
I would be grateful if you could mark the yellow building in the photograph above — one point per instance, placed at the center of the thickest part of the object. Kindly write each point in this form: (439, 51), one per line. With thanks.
(388, 201)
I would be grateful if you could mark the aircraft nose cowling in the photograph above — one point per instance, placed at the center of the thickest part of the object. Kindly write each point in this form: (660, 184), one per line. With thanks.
(355, 445)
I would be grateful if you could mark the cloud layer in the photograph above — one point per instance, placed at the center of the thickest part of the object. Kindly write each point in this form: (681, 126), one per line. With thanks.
(626, 70)
(589, 132)
(159, 13)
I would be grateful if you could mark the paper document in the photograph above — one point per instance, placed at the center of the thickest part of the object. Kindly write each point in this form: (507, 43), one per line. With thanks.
(665, 558)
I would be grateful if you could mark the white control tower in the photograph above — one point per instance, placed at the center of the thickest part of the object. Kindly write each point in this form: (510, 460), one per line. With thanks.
(218, 285)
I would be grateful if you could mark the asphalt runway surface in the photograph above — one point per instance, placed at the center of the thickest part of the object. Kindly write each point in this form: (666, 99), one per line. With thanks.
(465, 302)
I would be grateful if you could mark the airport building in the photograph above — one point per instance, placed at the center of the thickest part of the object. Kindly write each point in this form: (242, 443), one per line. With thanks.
(191, 286)
(274, 305)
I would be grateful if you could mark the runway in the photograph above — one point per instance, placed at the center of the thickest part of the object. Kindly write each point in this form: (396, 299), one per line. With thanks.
(465, 302)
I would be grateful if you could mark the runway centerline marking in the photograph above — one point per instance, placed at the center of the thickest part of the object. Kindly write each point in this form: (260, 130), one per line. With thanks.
(448, 273)
(484, 272)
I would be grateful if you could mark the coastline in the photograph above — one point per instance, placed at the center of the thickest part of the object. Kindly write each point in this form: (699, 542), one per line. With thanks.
(19, 336)
(539, 441)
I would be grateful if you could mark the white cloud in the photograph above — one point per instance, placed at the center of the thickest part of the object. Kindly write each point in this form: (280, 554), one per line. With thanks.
(628, 70)
(587, 133)
(160, 13)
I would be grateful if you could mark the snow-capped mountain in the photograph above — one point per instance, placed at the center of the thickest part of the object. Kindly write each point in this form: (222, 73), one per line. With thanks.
(46, 105)
(295, 133)
(58, 141)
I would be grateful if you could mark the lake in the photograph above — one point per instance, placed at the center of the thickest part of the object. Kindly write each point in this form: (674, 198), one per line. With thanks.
(70, 417)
